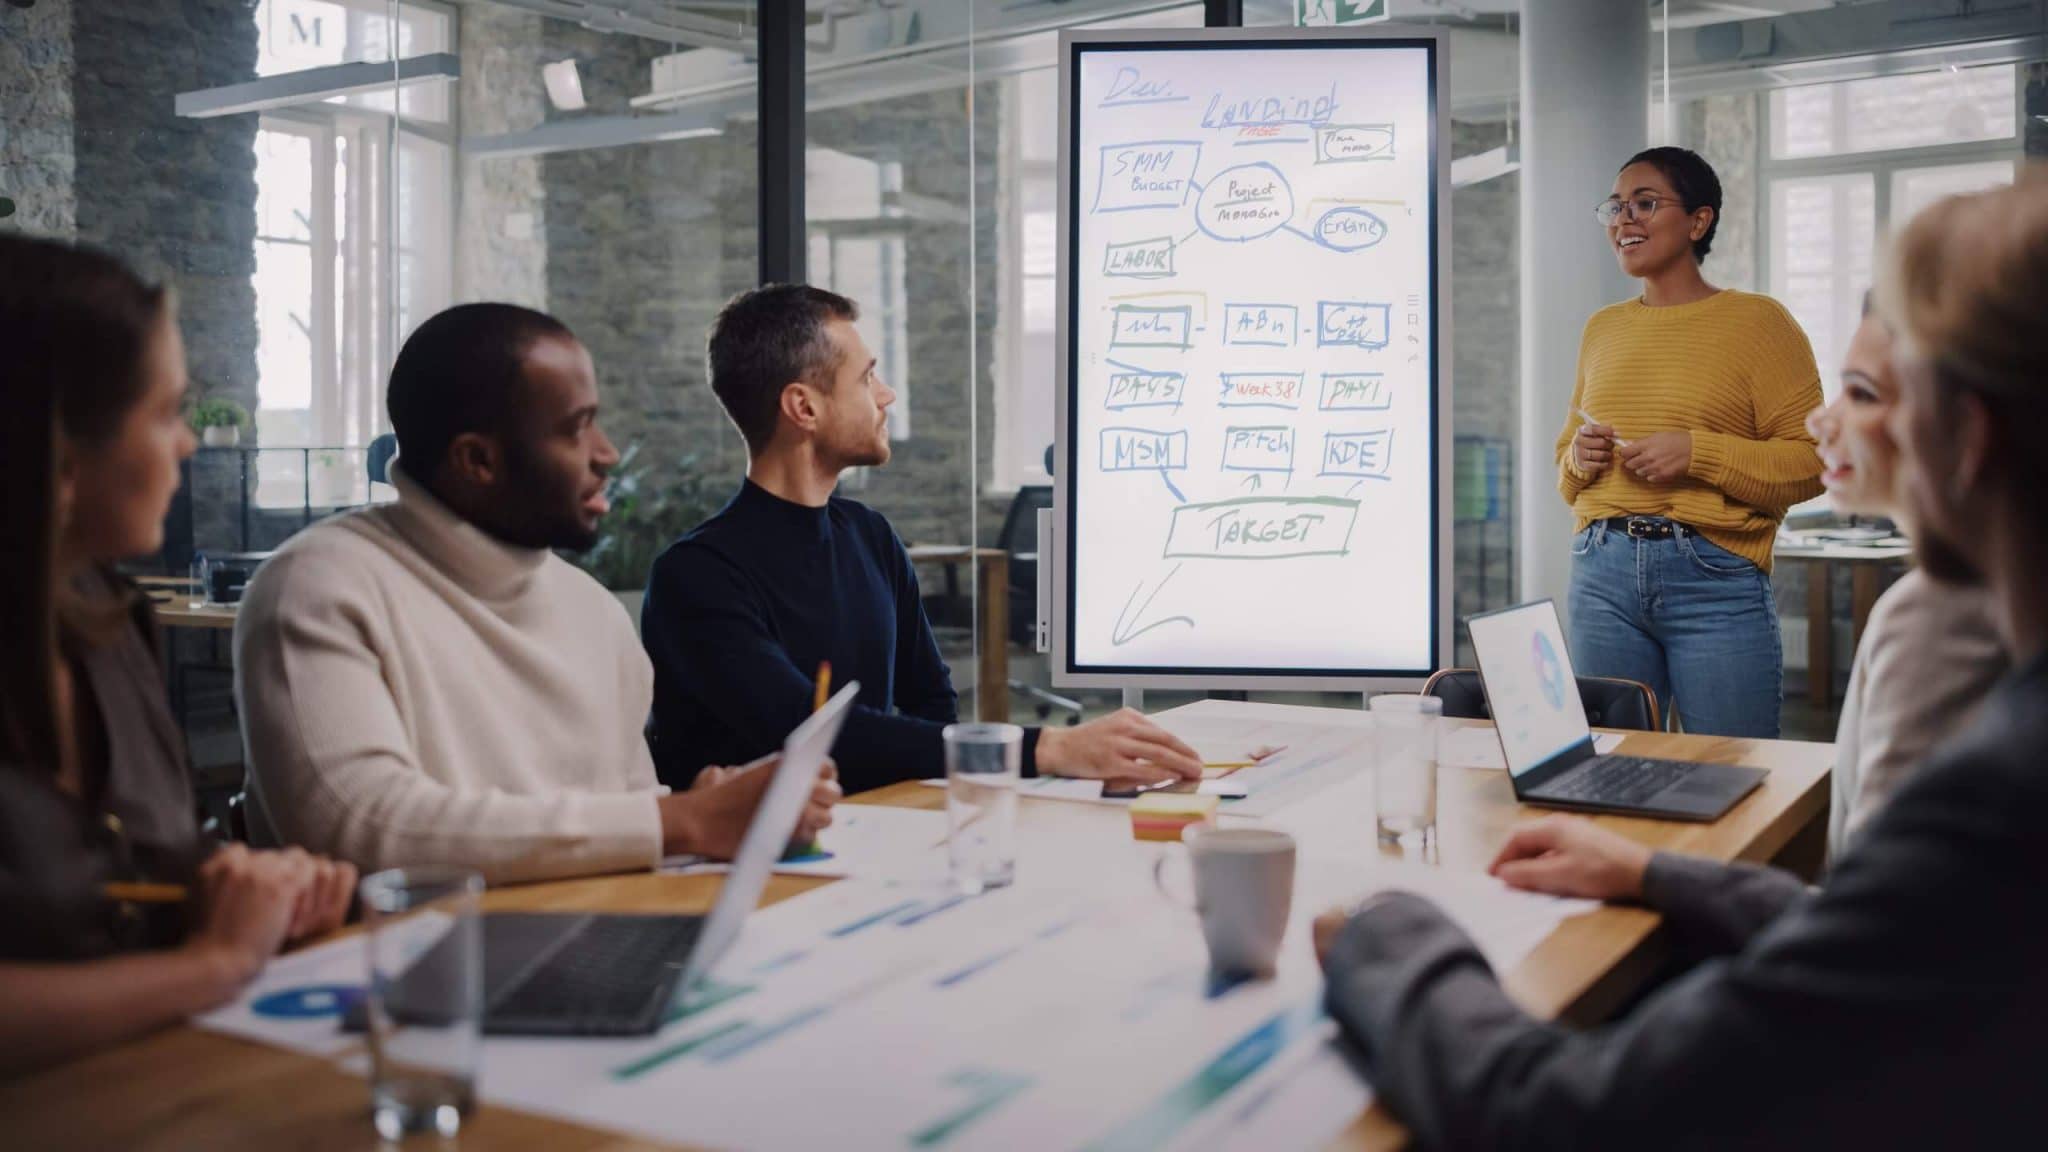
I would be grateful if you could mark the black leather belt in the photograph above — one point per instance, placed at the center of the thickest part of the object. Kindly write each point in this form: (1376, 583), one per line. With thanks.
(1643, 527)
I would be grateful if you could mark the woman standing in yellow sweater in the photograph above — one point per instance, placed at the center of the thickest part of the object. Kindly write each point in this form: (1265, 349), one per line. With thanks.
(1687, 445)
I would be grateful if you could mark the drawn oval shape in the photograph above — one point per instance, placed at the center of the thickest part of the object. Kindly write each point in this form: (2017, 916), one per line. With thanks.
(1354, 142)
(1349, 229)
(1244, 203)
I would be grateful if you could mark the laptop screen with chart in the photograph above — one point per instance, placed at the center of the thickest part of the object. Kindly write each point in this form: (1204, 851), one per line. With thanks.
(1530, 684)
(1254, 481)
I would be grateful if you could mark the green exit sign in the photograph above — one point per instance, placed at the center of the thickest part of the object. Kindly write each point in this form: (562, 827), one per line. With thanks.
(1335, 12)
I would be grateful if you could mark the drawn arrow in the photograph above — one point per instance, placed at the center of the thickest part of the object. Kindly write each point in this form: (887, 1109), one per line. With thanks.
(1253, 481)
(1170, 487)
(1127, 627)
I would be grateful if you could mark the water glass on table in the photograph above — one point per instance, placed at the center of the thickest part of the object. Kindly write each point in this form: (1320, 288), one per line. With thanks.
(1405, 733)
(425, 1006)
(984, 764)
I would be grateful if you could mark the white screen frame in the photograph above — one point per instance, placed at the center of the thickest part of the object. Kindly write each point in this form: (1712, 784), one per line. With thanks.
(1065, 671)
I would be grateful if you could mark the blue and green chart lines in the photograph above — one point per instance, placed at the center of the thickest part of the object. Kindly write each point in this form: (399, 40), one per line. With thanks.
(1161, 1121)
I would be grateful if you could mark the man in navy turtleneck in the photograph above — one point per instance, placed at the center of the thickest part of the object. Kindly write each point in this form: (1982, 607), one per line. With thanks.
(741, 611)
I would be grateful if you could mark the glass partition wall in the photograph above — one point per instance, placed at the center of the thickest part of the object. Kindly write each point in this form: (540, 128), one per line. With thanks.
(318, 176)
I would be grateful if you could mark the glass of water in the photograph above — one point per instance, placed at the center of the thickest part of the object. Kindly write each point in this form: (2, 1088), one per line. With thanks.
(425, 1004)
(1404, 740)
(984, 763)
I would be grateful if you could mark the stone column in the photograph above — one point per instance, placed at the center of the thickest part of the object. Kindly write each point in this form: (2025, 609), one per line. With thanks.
(1585, 109)
(36, 157)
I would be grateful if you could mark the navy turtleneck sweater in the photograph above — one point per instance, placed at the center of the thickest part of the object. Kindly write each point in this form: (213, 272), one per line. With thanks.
(740, 612)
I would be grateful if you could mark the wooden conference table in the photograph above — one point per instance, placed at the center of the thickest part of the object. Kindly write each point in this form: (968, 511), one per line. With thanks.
(185, 1088)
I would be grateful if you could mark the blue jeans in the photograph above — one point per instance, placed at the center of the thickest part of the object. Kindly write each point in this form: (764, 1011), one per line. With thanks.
(1691, 619)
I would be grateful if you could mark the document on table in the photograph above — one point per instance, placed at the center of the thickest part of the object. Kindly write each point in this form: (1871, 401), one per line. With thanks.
(1305, 751)
(872, 841)
(1480, 747)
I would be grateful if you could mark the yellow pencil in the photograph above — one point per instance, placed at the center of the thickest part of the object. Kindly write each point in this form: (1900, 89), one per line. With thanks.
(824, 694)
(144, 892)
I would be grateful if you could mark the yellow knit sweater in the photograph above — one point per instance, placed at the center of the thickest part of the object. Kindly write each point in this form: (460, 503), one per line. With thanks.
(1733, 369)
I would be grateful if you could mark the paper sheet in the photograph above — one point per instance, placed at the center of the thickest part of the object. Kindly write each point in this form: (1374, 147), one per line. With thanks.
(1042, 1016)
(1316, 748)
(1480, 748)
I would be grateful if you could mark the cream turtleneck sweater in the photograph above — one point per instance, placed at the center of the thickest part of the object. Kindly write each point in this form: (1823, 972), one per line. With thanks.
(416, 692)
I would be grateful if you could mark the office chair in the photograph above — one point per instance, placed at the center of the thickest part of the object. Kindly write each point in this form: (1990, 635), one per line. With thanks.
(1610, 702)
(382, 450)
(1019, 538)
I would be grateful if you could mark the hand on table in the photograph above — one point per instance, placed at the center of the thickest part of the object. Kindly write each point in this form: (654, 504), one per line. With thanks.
(1571, 856)
(1121, 746)
(1661, 458)
(249, 902)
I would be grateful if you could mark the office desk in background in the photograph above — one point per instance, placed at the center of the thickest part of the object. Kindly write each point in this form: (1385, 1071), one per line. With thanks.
(992, 619)
(185, 1088)
(171, 597)
(1866, 563)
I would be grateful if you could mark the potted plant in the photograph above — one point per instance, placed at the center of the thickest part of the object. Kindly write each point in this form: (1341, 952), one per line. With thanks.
(219, 421)
(647, 516)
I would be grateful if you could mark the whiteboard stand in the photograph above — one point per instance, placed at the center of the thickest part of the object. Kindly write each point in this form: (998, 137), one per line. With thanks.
(1134, 699)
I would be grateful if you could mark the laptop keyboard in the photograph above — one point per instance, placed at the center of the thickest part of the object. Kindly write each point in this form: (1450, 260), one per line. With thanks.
(614, 977)
(1627, 780)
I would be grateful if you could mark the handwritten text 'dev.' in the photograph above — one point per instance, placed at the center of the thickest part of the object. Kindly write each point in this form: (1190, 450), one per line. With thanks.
(1130, 86)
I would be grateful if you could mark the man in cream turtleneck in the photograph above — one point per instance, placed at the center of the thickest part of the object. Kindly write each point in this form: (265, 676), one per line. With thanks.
(427, 683)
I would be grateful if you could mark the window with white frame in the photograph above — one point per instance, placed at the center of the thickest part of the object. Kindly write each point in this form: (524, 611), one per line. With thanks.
(1851, 161)
(855, 222)
(353, 249)
(1028, 301)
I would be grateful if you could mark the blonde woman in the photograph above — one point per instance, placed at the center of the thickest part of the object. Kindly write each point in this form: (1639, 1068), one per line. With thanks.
(1893, 1008)
(1930, 653)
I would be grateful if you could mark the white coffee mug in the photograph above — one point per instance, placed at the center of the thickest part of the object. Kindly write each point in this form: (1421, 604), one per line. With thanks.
(1244, 889)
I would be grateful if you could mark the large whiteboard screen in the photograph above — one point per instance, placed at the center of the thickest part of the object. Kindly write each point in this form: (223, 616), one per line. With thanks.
(1252, 440)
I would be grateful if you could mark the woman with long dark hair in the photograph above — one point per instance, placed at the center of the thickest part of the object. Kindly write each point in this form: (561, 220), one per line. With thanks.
(1686, 445)
(98, 840)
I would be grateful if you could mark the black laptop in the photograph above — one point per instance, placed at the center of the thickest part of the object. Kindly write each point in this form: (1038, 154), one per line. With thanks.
(564, 974)
(1534, 695)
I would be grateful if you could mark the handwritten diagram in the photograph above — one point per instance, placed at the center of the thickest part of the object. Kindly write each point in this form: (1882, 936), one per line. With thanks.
(1252, 360)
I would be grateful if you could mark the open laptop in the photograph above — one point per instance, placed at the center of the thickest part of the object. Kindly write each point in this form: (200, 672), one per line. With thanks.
(569, 974)
(1534, 695)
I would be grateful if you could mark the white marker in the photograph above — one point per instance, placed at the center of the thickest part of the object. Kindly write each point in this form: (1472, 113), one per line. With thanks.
(1589, 418)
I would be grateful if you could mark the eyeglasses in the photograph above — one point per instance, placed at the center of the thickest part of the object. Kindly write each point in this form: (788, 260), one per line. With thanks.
(1638, 208)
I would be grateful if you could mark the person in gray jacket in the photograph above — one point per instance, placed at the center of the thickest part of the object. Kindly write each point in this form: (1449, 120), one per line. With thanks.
(1901, 1006)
